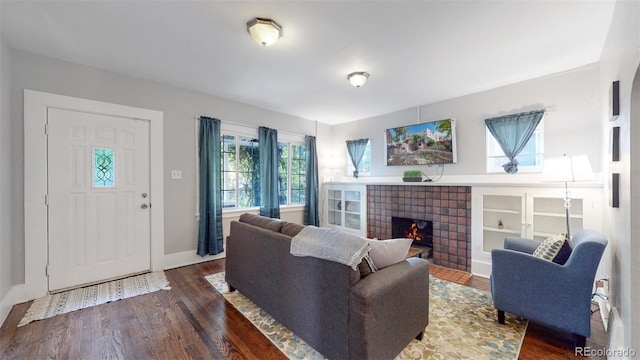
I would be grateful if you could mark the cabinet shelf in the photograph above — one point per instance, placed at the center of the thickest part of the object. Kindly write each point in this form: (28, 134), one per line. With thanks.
(505, 231)
(571, 216)
(502, 211)
(543, 234)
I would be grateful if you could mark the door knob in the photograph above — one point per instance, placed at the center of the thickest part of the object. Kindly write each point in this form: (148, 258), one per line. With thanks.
(144, 206)
(144, 195)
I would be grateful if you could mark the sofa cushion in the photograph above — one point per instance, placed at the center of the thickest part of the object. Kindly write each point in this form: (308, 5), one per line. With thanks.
(388, 252)
(291, 229)
(556, 248)
(261, 221)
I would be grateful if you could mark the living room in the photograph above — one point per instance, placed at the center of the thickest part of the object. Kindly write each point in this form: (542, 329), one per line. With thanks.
(577, 121)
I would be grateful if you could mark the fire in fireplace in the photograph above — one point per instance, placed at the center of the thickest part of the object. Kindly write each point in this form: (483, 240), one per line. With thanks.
(421, 231)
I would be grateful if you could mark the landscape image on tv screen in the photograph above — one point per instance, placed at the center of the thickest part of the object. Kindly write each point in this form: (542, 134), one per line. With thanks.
(422, 144)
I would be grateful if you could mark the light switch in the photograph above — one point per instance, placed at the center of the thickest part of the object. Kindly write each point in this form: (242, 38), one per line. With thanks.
(176, 174)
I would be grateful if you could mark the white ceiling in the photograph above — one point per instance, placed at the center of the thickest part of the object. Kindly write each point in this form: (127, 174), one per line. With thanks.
(417, 52)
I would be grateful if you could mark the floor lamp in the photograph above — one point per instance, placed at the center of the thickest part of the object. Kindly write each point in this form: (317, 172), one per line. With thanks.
(567, 169)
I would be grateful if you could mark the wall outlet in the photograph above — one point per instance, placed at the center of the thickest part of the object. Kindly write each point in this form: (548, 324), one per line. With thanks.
(176, 174)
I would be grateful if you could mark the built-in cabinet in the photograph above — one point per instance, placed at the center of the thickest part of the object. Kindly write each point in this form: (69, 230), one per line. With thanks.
(526, 212)
(346, 207)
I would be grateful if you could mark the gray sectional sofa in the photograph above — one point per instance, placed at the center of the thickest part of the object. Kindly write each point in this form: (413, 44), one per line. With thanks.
(336, 310)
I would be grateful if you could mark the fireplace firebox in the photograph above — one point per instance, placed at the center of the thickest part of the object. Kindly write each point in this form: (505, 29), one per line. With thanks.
(421, 231)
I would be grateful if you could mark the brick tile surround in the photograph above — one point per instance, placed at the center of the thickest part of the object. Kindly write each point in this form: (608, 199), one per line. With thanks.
(449, 207)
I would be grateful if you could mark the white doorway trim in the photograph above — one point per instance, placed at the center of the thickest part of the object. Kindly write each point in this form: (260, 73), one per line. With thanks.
(35, 178)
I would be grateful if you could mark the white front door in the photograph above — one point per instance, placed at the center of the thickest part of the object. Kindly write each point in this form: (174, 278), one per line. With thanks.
(98, 197)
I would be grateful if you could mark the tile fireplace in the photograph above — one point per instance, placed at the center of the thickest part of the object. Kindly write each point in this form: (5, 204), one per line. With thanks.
(447, 207)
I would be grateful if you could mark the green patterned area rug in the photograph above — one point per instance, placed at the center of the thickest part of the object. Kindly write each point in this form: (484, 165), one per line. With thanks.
(462, 325)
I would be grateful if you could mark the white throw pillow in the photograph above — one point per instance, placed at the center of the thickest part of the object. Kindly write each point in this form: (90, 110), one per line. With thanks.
(556, 248)
(388, 252)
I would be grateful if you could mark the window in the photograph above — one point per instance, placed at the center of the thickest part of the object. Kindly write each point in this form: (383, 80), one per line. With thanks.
(103, 168)
(241, 171)
(365, 163)
(292, 173)
(529, 160)
(283, 172)
(240, 176)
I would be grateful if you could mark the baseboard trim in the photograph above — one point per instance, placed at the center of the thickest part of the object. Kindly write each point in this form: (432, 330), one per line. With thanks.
(185, 258)
(16, 295)
(480, 268)
(616, 332)
(5, 307)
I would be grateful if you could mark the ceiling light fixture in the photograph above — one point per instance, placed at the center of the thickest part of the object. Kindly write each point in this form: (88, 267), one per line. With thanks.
(358, 78)
(264, 31)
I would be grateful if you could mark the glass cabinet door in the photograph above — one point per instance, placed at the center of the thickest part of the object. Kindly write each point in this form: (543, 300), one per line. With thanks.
(345, 208)
(352, 207)
(335, 207)
(550, 217)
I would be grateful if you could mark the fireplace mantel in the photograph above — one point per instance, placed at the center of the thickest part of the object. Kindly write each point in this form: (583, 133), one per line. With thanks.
(490, 180)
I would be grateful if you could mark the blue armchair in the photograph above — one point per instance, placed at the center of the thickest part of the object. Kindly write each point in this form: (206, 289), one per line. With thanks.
(543, 291)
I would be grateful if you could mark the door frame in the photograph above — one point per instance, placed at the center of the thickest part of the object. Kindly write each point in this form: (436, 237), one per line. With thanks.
(36, 104)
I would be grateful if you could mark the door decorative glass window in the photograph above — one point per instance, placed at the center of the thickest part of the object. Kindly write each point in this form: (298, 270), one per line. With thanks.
(103, 168)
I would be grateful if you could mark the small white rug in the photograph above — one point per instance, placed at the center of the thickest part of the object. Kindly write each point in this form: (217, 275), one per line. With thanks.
(72, 300)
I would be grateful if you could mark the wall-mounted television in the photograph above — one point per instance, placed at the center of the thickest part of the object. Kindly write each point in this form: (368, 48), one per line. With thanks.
(426, 143)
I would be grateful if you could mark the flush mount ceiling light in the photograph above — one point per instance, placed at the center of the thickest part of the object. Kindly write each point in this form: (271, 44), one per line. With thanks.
(264, 31)
(358, 78)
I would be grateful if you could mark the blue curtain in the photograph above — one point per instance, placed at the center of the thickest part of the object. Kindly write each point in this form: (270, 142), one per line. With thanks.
(311, 215)
(210, 228)
(512, 133)
(269, 191)
(356, 150)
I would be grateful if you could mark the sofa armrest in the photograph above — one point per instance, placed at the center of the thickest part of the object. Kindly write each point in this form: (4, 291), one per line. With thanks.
(521, 244)
(388, 309)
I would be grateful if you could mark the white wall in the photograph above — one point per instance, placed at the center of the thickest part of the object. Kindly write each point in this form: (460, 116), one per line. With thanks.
(572, 124)
(180, 108)
(634, 253)
(6, 262)
(619, 61)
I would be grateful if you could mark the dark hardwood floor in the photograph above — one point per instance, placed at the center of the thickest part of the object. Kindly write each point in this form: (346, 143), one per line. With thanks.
(192, 321)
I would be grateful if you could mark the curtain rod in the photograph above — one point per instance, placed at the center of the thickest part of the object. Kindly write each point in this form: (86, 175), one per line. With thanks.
(546, 109)
(257, 126)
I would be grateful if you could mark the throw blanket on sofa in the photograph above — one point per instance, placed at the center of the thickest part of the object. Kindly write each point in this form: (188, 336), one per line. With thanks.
(331, 244)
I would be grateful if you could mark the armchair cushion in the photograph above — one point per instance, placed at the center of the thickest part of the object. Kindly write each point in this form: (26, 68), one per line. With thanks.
(519, 244)
(556, 248)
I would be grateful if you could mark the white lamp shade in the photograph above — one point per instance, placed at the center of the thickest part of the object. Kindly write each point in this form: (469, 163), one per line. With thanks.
(567, 169)
(358, 78)
(264, 31)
